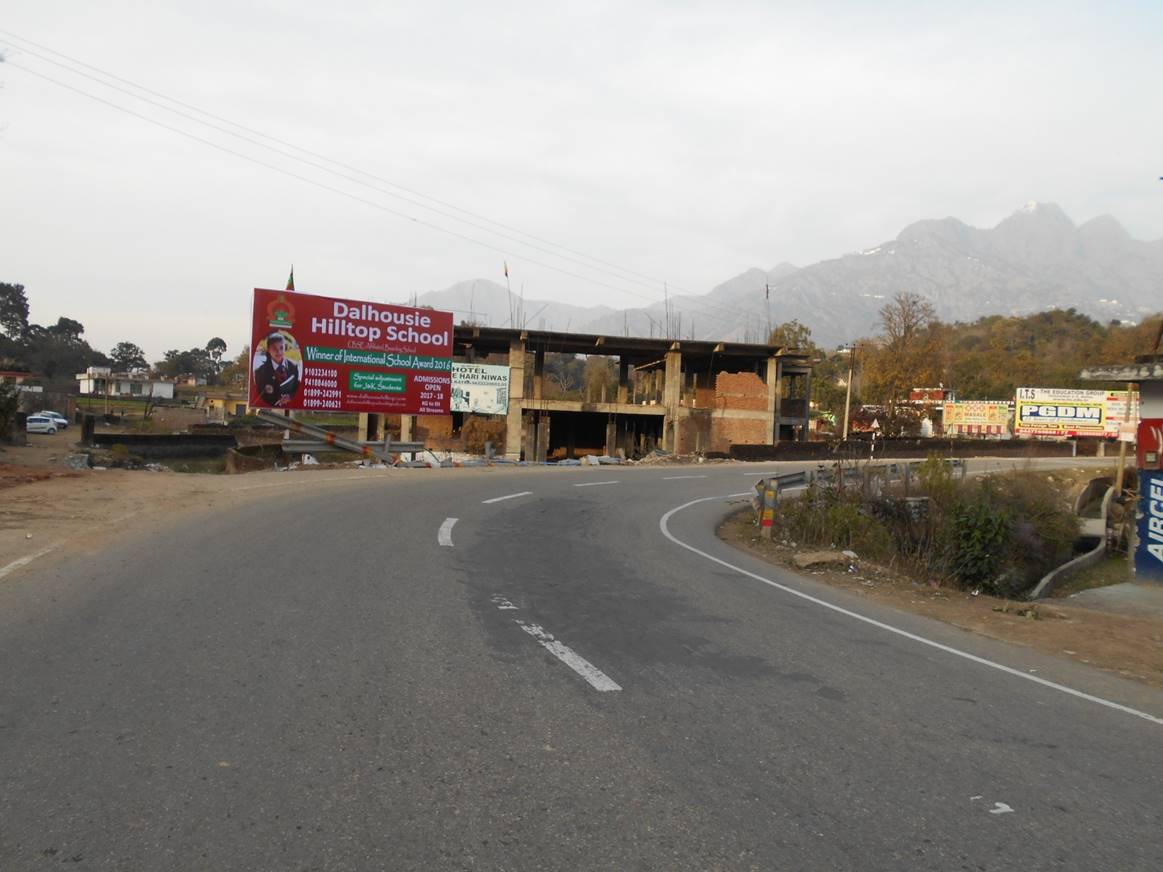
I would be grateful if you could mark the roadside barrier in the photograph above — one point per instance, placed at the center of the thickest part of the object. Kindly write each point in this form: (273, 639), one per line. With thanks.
(868, 478)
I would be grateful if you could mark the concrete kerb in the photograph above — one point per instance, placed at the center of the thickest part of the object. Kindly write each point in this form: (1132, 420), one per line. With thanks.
(1058, 576)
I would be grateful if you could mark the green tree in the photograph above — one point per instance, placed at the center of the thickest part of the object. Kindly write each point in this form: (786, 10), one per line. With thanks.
(67, 330)
(126, 356)
(237, 371)
(13, 310)
(216, 347)
(793, 334)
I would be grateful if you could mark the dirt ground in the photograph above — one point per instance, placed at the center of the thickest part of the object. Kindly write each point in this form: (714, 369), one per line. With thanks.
(46, 507)
(1130, 646)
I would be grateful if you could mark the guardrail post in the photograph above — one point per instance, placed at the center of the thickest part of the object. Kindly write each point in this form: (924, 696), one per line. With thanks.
(767, 515)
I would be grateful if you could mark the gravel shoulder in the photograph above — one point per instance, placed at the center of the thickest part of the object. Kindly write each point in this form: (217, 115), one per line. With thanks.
(1127, 645)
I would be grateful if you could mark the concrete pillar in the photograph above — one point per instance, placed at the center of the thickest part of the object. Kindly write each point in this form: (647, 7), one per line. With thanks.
(612, 435)
(538, 373)
(671, 398)
(513, 424)
(406, 427)
(365, 426)
(623, 380)
(773, 392)
(541, 437)
(376, 428)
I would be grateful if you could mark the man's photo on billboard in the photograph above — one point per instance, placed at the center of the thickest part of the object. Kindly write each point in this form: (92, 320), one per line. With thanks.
(277, 363)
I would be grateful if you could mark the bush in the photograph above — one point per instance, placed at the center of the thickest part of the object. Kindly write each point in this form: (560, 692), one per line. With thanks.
(935, 479)
(979, 537)
(826, 518)
(1001, 533)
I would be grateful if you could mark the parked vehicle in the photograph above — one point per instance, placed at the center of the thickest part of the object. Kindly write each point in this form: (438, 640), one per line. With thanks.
(40, 424)
(61, 421)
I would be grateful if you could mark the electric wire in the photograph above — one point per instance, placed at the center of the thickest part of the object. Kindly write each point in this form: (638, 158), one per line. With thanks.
(649, 280)
(697, 306)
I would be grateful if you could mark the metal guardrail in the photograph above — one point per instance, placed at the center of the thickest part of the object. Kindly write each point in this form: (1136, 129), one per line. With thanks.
(324, 439)
(311, 446)
(767, 495)
(768, 489)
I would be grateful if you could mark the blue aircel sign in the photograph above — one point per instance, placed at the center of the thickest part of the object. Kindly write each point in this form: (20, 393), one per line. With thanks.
(1149, 555)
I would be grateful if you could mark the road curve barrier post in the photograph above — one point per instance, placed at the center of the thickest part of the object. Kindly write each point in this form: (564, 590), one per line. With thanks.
(770, 498)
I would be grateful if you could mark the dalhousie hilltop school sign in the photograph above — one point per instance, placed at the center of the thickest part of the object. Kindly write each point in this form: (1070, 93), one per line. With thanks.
(329, 354)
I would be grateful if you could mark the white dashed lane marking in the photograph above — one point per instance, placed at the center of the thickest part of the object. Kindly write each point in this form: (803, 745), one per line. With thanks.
(444, 537)
(593, 676)
(597, 679)
(508, 497)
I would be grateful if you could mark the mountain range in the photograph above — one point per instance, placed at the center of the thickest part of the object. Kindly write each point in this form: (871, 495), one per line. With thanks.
(1036, 259)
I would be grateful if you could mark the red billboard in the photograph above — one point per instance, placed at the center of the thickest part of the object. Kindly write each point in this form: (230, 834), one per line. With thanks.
(327, 354)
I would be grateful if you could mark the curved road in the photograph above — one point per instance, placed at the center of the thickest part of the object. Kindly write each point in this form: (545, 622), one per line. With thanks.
(573, 674)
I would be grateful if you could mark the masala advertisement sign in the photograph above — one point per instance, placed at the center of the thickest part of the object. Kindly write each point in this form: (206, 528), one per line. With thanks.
(327, 354)
(479, 389)
(1069, 412)
(985, 416)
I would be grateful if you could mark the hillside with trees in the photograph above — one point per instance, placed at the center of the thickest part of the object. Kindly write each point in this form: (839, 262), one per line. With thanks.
(986, 359)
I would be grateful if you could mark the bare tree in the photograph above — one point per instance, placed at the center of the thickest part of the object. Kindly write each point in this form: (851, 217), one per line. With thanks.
(907, 354)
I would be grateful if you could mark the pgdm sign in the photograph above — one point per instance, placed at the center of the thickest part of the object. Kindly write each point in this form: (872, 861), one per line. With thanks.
(1149, 555)
(1068, 412)
(322, 353)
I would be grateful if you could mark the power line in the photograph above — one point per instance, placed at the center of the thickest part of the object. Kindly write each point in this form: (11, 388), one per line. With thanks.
(691, 304)
(649, 280)
(291, 145)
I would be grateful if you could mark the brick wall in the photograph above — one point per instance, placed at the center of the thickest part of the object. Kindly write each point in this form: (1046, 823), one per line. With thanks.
(726, 432)
(740, 390)
(694, 434)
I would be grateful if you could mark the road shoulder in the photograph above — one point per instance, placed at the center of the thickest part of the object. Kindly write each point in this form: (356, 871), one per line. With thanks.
(1130, 646)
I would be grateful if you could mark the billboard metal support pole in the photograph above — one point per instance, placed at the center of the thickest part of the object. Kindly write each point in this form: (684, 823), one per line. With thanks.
(324, 436)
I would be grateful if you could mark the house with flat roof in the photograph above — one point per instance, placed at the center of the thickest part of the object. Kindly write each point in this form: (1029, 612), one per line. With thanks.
(101, 381)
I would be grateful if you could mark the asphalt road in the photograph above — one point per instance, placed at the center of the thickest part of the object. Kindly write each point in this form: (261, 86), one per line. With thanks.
(315, 682)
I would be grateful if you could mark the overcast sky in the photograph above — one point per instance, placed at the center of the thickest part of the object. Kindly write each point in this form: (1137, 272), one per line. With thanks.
(682, 141)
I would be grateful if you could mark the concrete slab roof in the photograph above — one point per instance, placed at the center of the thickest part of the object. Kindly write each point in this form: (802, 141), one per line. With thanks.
(496, 339)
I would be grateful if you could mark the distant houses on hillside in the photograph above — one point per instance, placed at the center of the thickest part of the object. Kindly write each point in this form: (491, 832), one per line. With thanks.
(101, 381)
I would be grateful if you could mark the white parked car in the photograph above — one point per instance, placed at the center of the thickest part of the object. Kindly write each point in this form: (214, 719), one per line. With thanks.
(40, 424)
(61, 421)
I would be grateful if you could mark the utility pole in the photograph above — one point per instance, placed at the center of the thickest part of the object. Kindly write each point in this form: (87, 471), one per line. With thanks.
(848, 389)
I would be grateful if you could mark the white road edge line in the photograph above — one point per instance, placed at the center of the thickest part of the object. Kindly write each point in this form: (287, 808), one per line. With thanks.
(300, 481)
(24, 561)
(948, 649)
(508, 497)
(677, 477)
(597, 679)
(444, 537)
(595, 483)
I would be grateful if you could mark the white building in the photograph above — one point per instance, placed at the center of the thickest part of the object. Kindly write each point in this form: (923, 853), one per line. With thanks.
(101, 381)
